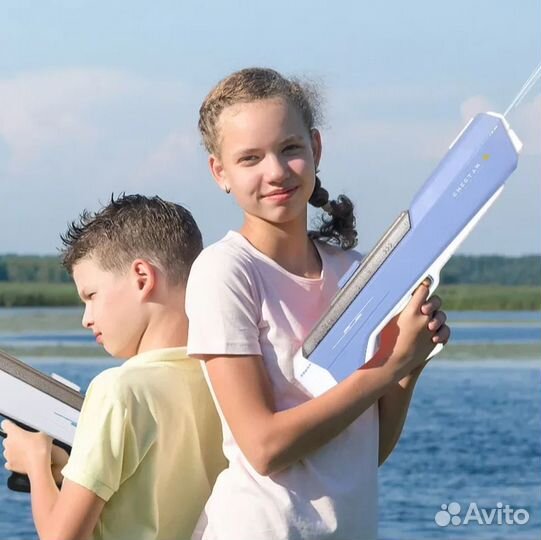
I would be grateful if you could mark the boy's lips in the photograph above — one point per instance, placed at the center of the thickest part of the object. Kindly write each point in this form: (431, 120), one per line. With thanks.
(98, 338)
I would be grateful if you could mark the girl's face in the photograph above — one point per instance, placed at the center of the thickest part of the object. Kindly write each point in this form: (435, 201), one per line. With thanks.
(267, 159)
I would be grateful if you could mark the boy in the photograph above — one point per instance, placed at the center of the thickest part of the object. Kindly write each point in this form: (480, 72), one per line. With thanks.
(148, 444)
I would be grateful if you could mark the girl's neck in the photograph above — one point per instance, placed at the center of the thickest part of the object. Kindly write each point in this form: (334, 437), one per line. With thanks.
(287, 244)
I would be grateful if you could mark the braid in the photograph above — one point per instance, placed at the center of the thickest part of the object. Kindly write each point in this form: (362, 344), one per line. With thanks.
(338, 226)
(320, 196)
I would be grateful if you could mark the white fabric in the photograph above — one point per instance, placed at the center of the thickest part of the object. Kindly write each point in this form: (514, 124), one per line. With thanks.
(240, 301)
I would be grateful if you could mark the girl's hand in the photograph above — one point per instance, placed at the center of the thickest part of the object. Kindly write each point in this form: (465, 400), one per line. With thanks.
(22, 449)
(410, 337)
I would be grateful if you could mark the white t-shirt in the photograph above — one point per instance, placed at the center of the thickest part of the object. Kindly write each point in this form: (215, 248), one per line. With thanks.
(239, 301)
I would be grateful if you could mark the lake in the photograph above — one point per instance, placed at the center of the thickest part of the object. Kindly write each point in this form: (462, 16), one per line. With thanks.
(470, 455)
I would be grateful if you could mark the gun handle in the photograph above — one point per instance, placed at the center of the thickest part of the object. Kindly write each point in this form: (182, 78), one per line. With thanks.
(19, 482)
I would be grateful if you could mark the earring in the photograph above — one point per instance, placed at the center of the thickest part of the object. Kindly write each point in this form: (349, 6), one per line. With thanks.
(227, 190)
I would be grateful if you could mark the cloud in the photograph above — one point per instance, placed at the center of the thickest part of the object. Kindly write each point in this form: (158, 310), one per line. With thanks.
(526, 122)
(175, 153)
(42, 111)
(69, 138)
(474, 105)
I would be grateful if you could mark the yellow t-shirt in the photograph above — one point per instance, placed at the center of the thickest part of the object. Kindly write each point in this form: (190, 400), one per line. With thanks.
(148, 442)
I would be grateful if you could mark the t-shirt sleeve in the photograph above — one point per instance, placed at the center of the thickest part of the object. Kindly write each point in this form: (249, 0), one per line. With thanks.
(221, 304)
(104, 449)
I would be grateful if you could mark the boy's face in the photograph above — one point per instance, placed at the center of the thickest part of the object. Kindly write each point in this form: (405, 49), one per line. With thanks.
(113, 310)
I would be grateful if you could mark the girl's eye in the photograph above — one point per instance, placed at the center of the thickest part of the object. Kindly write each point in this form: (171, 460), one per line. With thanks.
(292, 148)
(248, 159)
(91, 295)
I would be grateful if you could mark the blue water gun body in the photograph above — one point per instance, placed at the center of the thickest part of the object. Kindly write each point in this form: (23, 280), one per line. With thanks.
(419, 243)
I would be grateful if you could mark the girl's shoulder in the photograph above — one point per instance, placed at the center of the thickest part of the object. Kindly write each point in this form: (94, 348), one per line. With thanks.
(223, 273)
(340, 260)
(228, 253)
(226, 263)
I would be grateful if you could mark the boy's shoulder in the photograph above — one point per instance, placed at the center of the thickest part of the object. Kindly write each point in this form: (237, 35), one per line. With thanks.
(119, 383)
(109, 382)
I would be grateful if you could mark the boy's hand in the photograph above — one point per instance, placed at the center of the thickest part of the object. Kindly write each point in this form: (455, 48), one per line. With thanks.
(23, 449)
(59, 458)
(410, 337)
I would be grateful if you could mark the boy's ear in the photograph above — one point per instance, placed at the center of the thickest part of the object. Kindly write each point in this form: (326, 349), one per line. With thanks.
(316, 146)
(217, 171)
(144, 275)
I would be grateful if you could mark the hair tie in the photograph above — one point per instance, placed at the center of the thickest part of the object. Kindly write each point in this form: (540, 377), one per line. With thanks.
(327, 207)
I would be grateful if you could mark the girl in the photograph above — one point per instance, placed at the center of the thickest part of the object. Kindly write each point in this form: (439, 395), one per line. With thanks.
(299, 468)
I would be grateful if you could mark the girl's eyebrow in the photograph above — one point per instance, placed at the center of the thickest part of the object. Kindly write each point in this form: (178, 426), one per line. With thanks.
(292, 138)
(288, 139)
(245, 151)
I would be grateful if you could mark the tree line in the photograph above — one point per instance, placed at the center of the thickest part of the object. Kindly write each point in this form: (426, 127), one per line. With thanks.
(461, 269)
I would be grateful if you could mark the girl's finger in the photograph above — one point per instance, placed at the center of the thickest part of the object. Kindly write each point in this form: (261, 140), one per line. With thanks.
(442, 335)
(437, 321)
(433, 304)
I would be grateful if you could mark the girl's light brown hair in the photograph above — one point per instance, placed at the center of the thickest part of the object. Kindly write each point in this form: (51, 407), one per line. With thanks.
(256, 84)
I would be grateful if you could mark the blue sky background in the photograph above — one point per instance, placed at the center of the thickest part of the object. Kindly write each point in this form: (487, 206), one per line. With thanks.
(100, 97)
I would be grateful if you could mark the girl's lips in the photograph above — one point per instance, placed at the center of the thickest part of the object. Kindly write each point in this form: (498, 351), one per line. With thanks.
(282, 195)
(99, 339)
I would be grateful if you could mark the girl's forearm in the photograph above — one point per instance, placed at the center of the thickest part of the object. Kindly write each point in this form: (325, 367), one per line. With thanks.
(393, 409)
(293, 433)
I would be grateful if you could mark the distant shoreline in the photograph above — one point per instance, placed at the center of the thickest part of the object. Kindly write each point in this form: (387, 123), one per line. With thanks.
(463, 297)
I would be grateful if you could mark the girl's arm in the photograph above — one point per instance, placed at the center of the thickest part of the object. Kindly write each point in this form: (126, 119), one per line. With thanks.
(271, 440)
(394, 405)
(393, 409)
(69, 514)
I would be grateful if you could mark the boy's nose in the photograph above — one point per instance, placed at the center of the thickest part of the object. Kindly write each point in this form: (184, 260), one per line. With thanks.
(87, 318)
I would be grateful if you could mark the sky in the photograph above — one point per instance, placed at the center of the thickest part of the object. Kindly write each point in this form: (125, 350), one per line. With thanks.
(102, 97)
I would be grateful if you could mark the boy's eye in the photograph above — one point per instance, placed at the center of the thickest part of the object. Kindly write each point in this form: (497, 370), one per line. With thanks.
(91, 295)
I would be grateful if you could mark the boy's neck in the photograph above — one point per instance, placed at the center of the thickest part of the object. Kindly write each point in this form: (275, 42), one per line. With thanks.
(167, 328)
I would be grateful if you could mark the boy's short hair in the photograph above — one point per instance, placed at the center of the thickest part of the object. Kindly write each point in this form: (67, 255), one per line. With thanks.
(131, 227)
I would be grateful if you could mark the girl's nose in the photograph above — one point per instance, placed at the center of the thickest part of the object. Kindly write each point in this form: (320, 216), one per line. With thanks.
(277, 169)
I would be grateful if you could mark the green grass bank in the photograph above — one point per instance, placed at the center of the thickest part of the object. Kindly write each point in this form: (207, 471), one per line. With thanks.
(455, 297)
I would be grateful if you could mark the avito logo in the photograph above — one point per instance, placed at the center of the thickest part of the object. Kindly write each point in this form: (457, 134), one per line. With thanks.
(500, 515)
